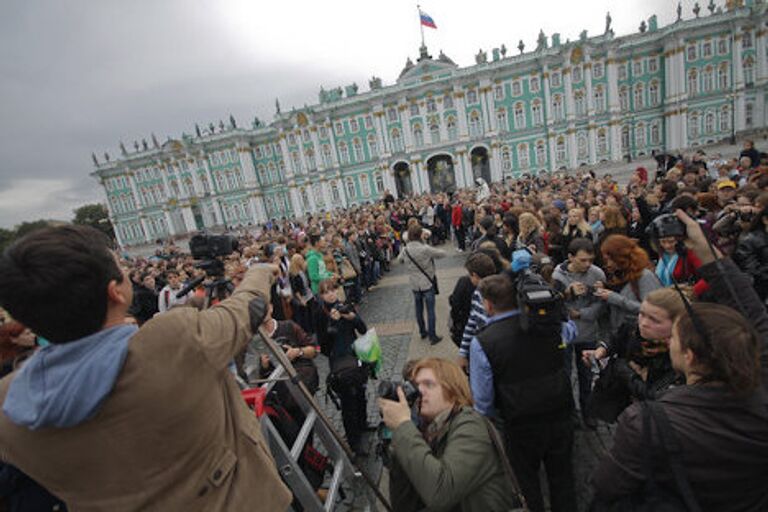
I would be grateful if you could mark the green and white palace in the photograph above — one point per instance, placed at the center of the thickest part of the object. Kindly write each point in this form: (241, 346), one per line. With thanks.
(561, 105)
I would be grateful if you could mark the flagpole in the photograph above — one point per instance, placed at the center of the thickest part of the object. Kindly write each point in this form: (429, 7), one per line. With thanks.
(421, 25)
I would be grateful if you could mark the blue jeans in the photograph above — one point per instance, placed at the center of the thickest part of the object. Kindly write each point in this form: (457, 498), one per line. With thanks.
(419, 299)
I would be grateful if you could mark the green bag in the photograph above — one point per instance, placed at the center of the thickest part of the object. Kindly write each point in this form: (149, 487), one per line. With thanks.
(368, 349)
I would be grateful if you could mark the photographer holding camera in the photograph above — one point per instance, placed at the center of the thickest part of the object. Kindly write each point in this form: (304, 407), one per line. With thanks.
(107, 417)
(336, 331)
(456, 461)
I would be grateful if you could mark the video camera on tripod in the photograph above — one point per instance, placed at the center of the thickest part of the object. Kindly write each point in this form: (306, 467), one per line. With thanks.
(540, 305)
(210, 249)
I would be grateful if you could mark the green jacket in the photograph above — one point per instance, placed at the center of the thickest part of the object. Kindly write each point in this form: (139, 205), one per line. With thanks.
(316, 270)
(464, 472)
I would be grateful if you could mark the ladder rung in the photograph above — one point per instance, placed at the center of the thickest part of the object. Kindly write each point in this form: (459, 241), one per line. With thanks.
(333, 488)
(304, 433)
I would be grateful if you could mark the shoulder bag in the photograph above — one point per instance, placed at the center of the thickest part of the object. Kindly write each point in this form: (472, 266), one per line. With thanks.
(432, 280)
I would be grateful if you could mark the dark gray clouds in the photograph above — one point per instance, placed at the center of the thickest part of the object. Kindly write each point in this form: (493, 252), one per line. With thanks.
(79, 76)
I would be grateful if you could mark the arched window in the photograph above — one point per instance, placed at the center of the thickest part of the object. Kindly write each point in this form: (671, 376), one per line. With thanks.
(560, 149)
(501, 120)
(541, 153)
(725, 119)
(709, 122)
(431, 105)
(304, 200)
(351, 192)
(749, 114)
(538, 118)
(722, 77)
(693, 125)
(655, 134)
(602, 142)
(451, 125)
(653, 94)
(557, 107)
(474, 124)
(434, 133)
(506, 160)
(520, 116)
(272, 172)
(397, 140)
(471, 97)
(365, 185)
(310, 155)
(582, 145)
(378, 181)
(522, 156)
(640, 135)
(261, 171)
(326, 152)
(623, 99)
(599, 97)
(373, 149)
(749, 71)
(418, 136)
(693, 82)
(296, 161)
(357, 149)
(205, 184)
(625, 138)
(579, 104)
(707, 80)
(639, 103)
(335, 193)
(448, 101)
(343, 153)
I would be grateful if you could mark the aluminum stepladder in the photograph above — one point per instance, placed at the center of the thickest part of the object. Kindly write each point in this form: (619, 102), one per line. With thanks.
(316, 423)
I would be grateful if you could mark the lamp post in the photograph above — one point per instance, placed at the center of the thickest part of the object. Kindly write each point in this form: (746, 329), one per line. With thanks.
(732, 97)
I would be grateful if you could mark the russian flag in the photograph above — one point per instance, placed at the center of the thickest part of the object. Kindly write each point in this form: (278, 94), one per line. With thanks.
(426, 20)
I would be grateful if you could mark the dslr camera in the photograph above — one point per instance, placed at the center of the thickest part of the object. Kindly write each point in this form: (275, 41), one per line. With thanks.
(388, 390)
(665, 226)
(343, 309)
(206, 247)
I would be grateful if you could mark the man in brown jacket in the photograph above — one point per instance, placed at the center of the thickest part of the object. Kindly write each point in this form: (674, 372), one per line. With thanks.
(111, 417)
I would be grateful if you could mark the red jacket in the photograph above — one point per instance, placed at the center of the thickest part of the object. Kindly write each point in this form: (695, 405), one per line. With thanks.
(456, 216)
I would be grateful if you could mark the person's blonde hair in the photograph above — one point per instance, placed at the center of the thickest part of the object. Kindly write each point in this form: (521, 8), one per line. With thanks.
(581, 228)
(296, 265)
(528, 224)
(667, 299)
(450, 377)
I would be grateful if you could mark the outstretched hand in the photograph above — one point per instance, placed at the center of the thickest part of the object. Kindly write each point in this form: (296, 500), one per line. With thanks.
(696, 240)
(395, 413)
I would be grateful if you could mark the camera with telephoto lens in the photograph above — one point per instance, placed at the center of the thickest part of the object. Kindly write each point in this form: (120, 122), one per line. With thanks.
(343, 309)
(540, 305)
(388, 390)
(665, 226)
(205, 247)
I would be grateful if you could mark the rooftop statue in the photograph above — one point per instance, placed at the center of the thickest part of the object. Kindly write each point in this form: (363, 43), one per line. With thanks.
(136, 145)
(503, 50)
(277, 106)
(351, 90)
(95, 160)
(154, 141)
(122, 148)
(521, 46)
(444, 58)
(496, 54)
(144, 144)
(696, 9)
(232, 121)
(211, 129)
(643, 26)
(481, 57)
(106, 156)
(221, 125)
(583, 36)
(608, 21)
(541, 42)
(555, 40)
(197, 131)
(375, 82)
(679, 11)
(256, 122)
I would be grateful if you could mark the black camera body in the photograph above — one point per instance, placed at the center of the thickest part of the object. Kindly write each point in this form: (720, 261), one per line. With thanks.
(388, 390)
(343, 309)
(540, 305)
(665, 226)
(212, 246)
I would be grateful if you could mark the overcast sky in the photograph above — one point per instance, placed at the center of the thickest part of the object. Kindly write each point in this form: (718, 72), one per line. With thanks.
(79, 76)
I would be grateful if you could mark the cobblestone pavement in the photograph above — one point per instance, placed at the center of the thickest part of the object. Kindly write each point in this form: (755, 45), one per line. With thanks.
(389, 308)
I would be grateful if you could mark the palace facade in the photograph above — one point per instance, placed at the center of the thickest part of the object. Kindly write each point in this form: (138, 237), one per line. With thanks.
(440, 126)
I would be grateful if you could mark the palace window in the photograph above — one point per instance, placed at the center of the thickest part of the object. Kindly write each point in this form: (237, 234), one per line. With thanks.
(709, 122)
(691, 53)
(541, 153)
(310, 155)
(326, 151)
(625, 138)
(431, 106)
(414, 109)
(749, 71)
(448, 101)
(397, 140)
(560, 149)
(368, 122)
(623, 99)
(602, 142)
(519, 116)
(622, 66)
(261, 171)
(655, 134)
(693, 82)
(599, 97)
(373, 149)
(498, 92)
(582, 145)
(706, 80)
(357, 149)
(296, 161)
(365, 185)
(392, 114)
(506, 160)
(452, 130)
(725, 119)
(577, 73)
(471, 97)
(517, 88)
(554, 81)
(557, 108)
(533, 84)
(653, 65)
(351, 192)
(522, 156)
(746, 40)
(693, 126)
(637, 68)
(580, 104)
(640, 135)
(343, 153)
(706, 49)
(339, 129)
(257, 152)
(378, 182)
(749, 115)
(538, 117)
(639, 96)
(475, 128)
(501, 120)
(323, 132)
(722, 77)
(722, 46)
(597, 70)
(653, 94)
(434, 133)
(353, 125)
(418, 136)
(335, 196)
(317, 192)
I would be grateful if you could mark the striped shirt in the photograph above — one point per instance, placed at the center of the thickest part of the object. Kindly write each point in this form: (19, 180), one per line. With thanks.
(478, 317)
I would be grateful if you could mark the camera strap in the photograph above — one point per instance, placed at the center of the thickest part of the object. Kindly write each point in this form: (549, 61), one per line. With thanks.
(508, 471)
(431, 279)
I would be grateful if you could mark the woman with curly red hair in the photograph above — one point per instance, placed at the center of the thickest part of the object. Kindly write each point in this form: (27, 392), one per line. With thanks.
(630, 278)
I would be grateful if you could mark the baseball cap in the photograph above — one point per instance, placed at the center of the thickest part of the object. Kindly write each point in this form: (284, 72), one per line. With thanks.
(726, 183)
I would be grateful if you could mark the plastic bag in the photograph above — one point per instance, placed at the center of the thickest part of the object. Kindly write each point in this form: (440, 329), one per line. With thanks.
(368, 349)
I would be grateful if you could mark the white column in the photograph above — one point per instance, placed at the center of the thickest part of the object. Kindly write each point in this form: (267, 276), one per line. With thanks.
(441, 118)
(405, 123)
(461, 112)
(382, 137)
(332, 138)
(219, 214)
(196, 186)
(249, 170)
(316, 148)
(118, 235)
(289, 170)
(458, 169)
(572, 148)
(588, 85)
(547, 97)
(325, 189)
(738, 83)
(303, 158)
(552, 144)
(485, 87)
(293, 195)
(189, 219)
(466, 164)
(311, 196)
(209, 173)
(416, 177)
(257, 204)
(592, 144)
(496, 174)
(145, 228)
(570, 110)
(164, 178)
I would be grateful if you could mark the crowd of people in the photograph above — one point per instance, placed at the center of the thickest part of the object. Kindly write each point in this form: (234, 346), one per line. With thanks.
(661, 287)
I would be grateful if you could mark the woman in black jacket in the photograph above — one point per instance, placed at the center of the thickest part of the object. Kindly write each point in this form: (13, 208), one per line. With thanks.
(337, 328)
(751, 254)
